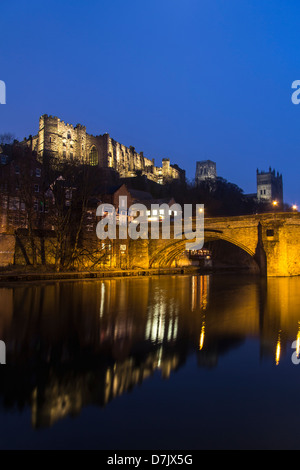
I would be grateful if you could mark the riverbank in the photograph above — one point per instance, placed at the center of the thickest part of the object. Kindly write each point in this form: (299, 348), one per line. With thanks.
(21, 274)
(29, 274)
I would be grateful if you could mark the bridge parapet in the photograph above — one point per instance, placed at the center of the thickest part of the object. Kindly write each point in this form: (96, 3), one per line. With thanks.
(272, 240)
(279, 233)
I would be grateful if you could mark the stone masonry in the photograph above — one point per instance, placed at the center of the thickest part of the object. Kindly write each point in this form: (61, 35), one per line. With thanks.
(66, 142)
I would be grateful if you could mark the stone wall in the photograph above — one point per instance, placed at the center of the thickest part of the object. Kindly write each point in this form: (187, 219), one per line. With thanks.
(67, 142)
(272, 240)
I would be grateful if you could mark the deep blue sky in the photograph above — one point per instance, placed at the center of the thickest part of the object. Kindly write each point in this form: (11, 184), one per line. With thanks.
(185, 79)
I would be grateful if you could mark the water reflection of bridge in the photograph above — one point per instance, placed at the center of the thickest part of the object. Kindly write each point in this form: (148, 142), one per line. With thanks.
(73, 344)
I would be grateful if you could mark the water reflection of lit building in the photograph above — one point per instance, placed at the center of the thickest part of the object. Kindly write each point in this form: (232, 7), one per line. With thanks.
(298, 342)
(162, 320)
(134, 328)
(278, 350)
(202, 335)
(200, 292)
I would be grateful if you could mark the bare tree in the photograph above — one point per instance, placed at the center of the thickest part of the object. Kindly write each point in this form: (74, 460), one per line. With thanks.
(72, 187)
(6, 138)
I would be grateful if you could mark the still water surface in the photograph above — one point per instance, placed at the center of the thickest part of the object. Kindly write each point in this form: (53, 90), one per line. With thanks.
(170, 362)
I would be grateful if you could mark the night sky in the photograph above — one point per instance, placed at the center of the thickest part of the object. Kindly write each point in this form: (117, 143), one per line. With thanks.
(185, 79)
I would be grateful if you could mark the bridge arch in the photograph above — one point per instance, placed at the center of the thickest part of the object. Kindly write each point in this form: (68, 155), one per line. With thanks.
(166, 255)
(231, 240)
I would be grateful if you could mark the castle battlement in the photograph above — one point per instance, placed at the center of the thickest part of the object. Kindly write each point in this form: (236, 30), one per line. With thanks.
(269, 186)
(66, 142)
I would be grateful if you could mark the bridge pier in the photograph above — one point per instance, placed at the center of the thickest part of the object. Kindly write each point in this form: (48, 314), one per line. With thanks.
(260, 255)
(281, 240)
(272, 240)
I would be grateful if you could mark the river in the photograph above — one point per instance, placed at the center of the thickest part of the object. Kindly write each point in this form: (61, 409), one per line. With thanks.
(163, 362)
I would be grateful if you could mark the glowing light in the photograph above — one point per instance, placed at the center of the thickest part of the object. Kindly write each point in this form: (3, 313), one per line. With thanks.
(294, 207)
(102, 299)
(155, 327)
(298, 342)
(278, 350)
(204, 293)
(275, 203)
(194, 292)
(202, 335)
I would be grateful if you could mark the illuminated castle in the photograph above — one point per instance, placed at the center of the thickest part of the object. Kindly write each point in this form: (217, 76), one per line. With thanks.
(68, 143)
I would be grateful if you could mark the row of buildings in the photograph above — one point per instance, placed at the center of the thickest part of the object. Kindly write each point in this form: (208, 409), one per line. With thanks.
(22, 178)
(24, 195)
(28, 194)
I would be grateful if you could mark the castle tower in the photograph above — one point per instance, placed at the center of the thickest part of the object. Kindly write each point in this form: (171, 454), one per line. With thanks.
(67, 144)
(205, 170)
(48, 135)
(269, 186)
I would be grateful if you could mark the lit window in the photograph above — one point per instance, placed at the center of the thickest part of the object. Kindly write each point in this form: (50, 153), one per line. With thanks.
(154, 212)
(93, 156)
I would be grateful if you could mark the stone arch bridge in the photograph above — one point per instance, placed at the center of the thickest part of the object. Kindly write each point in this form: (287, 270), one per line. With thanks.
(272, 240)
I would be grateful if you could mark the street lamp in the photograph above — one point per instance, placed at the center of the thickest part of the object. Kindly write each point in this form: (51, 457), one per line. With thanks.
(275, 205)
(295, 208)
